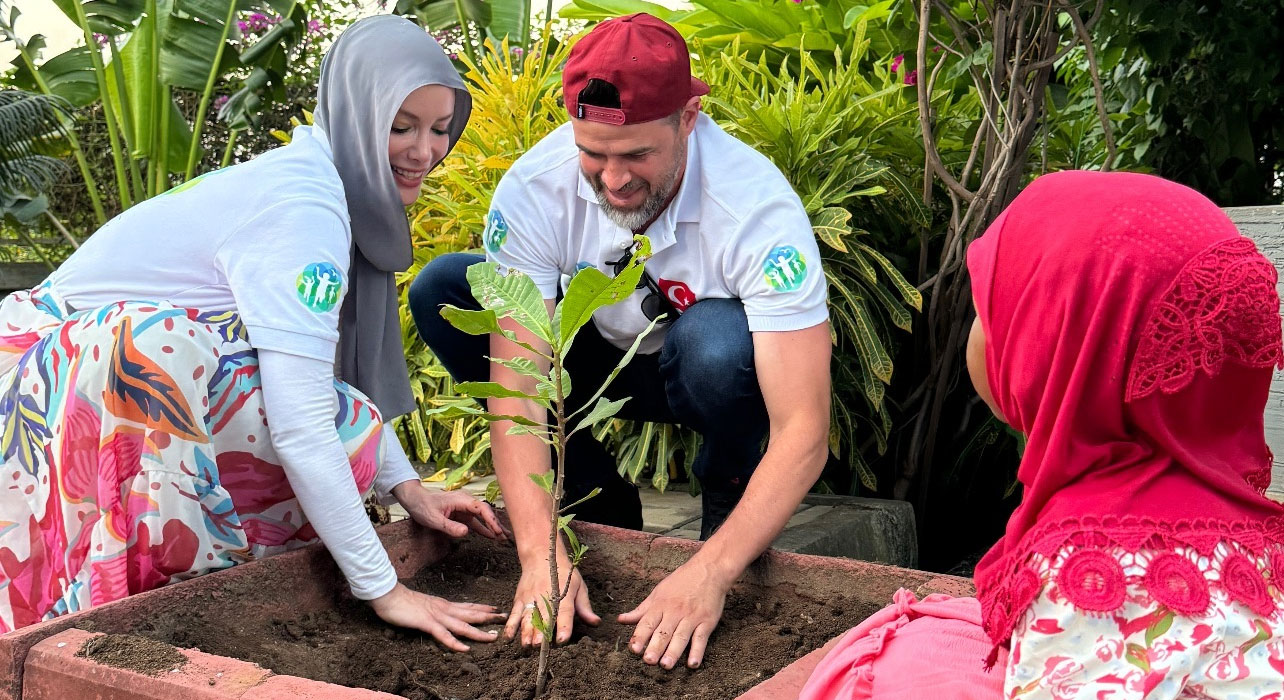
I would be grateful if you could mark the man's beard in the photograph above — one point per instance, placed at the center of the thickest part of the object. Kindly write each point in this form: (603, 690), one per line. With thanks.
(656, 198)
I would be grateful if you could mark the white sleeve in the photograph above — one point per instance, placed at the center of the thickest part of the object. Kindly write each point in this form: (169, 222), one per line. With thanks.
(519, 237)
(300, 400)
(775, 268)
(396, 467)
(287, 269)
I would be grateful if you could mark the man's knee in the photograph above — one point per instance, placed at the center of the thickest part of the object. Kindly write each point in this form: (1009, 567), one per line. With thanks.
(444, 280)
(710, 346)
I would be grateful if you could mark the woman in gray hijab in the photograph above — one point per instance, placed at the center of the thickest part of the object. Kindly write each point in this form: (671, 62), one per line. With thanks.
(208, 379)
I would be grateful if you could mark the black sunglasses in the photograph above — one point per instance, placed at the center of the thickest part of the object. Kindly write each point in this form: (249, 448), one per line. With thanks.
(655, 304)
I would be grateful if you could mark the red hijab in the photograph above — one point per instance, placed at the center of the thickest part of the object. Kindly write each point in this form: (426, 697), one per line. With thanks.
(1131, 335)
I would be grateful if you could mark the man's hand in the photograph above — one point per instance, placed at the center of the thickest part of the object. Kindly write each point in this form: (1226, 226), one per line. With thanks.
(684, 608)
(532, 590)
(444, 620)
(451, 512)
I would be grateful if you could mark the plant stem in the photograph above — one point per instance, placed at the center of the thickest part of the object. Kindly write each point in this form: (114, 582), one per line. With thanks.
(227, 152)
(154, 157)
(162, 156)
(100, 74)
(62, 229)
(40, 253)
(555, 596)
(199, 123)
(127, 123)
(464, 25)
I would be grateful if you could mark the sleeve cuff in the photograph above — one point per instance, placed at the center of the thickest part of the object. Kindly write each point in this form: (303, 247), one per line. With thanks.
(379, 583)
(790, 322)
(396, 468)
(292, 343)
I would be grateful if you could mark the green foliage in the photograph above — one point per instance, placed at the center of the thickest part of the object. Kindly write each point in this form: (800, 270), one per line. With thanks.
(137, 56)
(772, 30)
(1212, 74)
(32, 132)
(820, 126)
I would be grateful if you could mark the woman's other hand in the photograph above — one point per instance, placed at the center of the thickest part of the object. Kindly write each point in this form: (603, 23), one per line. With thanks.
(452, 512)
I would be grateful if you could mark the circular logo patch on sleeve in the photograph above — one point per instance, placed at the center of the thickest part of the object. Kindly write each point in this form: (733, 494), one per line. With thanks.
(319, 286)
(496, 231)
(784, 268)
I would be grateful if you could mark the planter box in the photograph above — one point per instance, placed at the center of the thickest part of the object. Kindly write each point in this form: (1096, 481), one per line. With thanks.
(40, 662)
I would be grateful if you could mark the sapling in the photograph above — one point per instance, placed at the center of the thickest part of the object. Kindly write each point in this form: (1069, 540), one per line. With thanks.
(514, 296)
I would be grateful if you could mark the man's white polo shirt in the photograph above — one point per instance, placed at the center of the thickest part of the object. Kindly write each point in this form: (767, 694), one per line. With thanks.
(735, 229)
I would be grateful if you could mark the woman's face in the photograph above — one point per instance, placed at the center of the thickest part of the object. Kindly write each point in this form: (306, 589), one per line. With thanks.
(976, 366)
(419, 137)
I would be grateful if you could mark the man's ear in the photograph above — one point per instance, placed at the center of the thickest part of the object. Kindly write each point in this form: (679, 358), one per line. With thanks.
(690, 111)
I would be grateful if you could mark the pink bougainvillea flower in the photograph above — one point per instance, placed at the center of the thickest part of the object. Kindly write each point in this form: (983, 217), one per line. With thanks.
(911, 78)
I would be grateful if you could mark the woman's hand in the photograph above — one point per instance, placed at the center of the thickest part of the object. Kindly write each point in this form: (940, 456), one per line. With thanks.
(444, 620)
(451, 512)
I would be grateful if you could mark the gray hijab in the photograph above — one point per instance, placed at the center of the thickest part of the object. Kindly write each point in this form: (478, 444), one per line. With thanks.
(365, 76)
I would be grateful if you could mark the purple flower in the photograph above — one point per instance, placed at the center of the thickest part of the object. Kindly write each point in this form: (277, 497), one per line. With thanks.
(220, 101)
(101, 39)
(517, 51)
(896, 63)
(243, 26)
(911, 78)
(315, 26)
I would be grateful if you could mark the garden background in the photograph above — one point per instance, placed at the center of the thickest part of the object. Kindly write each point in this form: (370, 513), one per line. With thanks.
(904, 125)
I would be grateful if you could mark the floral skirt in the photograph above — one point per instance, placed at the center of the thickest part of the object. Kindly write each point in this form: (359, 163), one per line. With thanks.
(1160, 635)
(136, 453)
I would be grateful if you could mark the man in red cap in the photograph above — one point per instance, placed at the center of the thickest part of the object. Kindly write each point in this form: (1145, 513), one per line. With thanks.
(741, 354)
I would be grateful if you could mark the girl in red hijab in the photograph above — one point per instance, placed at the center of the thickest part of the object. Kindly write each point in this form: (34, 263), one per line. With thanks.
(1129, 331)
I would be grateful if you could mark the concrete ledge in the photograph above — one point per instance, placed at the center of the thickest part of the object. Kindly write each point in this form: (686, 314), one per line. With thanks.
(870, 529)
(54, 672)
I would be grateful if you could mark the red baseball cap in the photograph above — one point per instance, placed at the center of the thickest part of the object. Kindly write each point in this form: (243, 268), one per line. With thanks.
(644, 58)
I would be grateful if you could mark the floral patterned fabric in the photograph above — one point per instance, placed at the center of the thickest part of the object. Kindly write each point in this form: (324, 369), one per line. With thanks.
(136, 453)
(1118, 625)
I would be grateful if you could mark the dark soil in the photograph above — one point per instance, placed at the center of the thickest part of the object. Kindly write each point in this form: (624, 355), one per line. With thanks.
(135, 653)
(761, 632)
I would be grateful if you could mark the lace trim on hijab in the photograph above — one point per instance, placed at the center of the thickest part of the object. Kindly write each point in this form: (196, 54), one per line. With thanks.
(1222, 306)
(1094, 559)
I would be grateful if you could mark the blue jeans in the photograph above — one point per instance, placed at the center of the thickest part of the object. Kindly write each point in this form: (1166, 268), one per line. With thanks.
(703, 378)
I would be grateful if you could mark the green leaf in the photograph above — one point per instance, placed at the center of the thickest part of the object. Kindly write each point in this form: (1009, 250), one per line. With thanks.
(590, 290)
(537, 621)
(908, 292)
(830, 225)
(511, 296)
(546, 388)
(458, 411)
(492, 492)
(870, 13)
(591, 494)
(523, 366)
(69, 75)
(495, 390)
(597, 10)
(542, 434)
(482, 322)
(544, 481)
(628, 357)
(604, 409)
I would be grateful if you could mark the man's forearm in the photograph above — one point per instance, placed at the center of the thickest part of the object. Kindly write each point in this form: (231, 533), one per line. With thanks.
(787, 471)
(517, 457)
